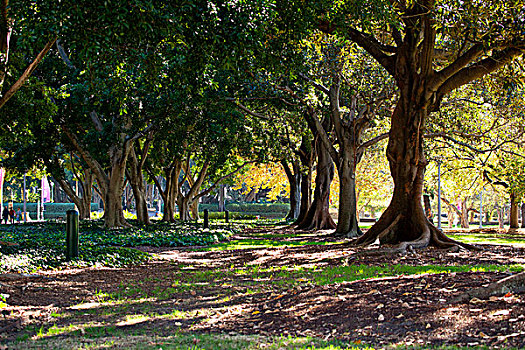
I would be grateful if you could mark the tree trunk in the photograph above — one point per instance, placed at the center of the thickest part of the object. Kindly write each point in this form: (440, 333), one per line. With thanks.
(222, 205)
(464, 214)
(428, 208)
(523, 215)
(514, 220)
(186, 201)
(347, 223)
(306, 196)
(194, 209)
(138, 186)
(318, 216)
(294, 179)
(113, 212)
(306, 155)
(404, 222)
(501, 217)
(87, 193)
(170, 192)
(451, 216)
(184, 208)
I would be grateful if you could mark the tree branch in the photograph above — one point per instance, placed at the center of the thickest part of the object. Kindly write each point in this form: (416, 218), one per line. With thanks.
(27, 73)
(64, 56)
(314, 122)
(372, 142)
(205, 192)
(318, 86)
(478, 70)
(373, 47)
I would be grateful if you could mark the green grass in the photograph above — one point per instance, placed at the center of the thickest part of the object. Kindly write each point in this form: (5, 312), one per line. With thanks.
(42, 245)
(122, 340)
(258, 279)
(259, 243)
(92, 339)
(490, 238)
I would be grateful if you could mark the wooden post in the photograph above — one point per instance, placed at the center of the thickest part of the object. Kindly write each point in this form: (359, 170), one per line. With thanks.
(206, 223)
(71, 234)
(227, 216)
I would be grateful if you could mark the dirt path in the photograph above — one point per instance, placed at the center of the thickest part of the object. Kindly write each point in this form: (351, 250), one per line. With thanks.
(248, 291)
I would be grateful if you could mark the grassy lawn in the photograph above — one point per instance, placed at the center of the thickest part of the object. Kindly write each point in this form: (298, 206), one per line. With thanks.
(120, 313)
(490, 238)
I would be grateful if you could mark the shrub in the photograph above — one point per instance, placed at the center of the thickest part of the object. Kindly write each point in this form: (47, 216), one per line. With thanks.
(251, 209)
(51, 210)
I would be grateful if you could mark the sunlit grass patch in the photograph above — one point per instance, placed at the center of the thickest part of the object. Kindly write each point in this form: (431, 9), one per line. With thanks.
(119, 339)
(487, 238)
(260, 243)
(256, 279)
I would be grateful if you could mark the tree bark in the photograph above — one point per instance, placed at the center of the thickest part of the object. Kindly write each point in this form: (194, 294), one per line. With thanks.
(306, 156)
(294, 179)
(138, 186)
(464, 214)
(170, 191)
(318, 216)
(514, 215)
(523, 215)
(428, 208)
(347, 223)
(501, 217)
(83, 202)
(186, 200)
(404, 223)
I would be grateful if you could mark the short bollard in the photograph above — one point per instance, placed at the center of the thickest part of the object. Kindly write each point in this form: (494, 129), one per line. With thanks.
(71, 234)
(206, 223)
(227, 216)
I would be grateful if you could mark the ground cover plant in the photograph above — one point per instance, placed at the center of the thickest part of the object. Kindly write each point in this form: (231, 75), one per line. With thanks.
(30, 247)
(300, 295)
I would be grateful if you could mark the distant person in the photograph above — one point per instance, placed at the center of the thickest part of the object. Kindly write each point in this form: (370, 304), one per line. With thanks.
(18, 215)
(12, 215)
(5, 215)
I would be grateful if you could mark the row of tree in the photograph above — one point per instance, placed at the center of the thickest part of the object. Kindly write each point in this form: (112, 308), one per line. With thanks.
(192, 92)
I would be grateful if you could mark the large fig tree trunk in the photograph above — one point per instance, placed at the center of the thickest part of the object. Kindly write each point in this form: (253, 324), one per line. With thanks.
(464, 214)
(306, 155)
(114, 188)
(293, 175)
(83, 200)
(404, 222)
(136, 180)
(523, 215)
(347, 223)
(318, 216)
(170, 190)
(514, 211)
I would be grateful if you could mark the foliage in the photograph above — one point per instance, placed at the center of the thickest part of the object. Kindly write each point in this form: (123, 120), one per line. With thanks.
(264, 176)
(250, 208)
(43, 245)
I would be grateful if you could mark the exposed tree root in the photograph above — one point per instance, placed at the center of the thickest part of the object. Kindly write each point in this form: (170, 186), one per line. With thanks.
(514, 284)
(387, 231)
(350, 234)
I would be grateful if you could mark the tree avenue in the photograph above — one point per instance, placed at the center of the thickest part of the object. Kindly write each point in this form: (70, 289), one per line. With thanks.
(125, 108)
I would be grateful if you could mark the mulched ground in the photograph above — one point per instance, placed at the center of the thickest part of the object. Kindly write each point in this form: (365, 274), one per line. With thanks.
(406, 309)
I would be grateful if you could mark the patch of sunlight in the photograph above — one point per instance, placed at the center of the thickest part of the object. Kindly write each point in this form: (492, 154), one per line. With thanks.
(133, 319)
(112, 302)
(55, 330)
(484, 238)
